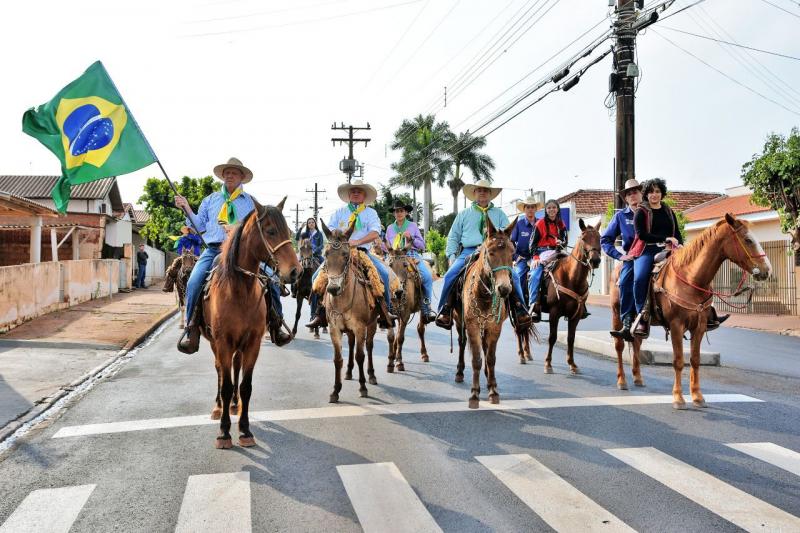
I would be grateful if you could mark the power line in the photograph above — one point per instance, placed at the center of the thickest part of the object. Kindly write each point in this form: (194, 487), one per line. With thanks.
(776, 6)
(270, 12)
(681, 10)
(729, 43)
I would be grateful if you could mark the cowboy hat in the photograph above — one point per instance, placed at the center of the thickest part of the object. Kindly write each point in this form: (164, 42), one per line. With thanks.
(469, 189)
(400, 205)
(370, 194)
(630, 184)
(530, 200)
(234, 163)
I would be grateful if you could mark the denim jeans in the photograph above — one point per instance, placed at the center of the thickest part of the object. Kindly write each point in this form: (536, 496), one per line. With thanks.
(140, 276)
(198, 276)
(522, 269)
(642, 268)
(383, 272)
(625, 283)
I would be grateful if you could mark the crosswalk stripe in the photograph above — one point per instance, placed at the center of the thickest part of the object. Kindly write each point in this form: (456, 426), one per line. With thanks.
(51, 510)
(732, 504)
(771, 453)
(216, 502)
(558, 503)
(383, 499)
(282, 415)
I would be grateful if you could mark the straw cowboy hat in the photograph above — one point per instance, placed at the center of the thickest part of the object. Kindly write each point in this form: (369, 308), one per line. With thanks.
(469, 189)
(630, 184)
(234, 163)
(530, 200)
(370, 193)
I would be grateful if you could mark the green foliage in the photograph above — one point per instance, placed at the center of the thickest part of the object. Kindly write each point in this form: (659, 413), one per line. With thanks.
(610, 212)
(774, 177)
(159, 202)
(436, 243)
(465, 151)
(443, 223)
(682, 220)
(386, 199)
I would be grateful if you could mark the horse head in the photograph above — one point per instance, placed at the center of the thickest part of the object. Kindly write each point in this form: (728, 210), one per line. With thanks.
(305, 249)
(337, 257)
(398, 262)
(744, 249)
(498, 256)
(589, 244)
(188, 260)
(276, 241)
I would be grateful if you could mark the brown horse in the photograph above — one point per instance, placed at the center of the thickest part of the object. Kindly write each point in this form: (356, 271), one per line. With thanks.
(568, 290)
(351, 310)
(302, 287)
(235, 312)
(409, 303)
(682, 295)
(488, 283)
(188, 260)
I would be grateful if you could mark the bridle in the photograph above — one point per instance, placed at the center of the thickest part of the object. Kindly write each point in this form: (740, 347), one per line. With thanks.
(271, 250)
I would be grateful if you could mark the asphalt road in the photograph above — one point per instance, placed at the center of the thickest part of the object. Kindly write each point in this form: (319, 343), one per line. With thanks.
(583, 456)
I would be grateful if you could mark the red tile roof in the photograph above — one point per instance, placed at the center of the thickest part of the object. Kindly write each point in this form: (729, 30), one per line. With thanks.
(595, 201)
(735, 205)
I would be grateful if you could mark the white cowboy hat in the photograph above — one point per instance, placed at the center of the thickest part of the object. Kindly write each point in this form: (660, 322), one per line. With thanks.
(370, 193)
(469, 189)
(530, 200)
(235, 163)
(630, 184)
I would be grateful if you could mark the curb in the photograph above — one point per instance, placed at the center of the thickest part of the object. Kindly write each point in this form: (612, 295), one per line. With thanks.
(9, 429)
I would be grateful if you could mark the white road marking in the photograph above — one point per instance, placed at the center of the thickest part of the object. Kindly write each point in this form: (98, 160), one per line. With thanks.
(51, 510)
(558, 503)
(281, 415)
(383, 499)
(732, 504)
(216, 502)
(771, 453)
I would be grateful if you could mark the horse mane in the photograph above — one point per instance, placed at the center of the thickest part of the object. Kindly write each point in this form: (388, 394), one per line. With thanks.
(688, 254)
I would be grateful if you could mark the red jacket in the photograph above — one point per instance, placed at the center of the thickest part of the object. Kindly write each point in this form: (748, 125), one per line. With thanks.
(545, 233)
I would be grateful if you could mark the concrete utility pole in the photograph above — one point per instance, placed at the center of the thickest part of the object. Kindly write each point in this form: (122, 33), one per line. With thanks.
(316, 207)
(349, 165)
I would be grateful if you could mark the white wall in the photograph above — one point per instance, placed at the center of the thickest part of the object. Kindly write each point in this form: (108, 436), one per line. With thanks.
(79, 206)
(156, 267)
(119, 233)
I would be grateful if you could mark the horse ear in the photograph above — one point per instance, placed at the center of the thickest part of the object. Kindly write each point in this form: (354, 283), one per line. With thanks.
(280, 204)
(490, 229)
(599, 223)
(581, 224)
(350, 230)
(325, 229)
(730, 220)
(510, 228)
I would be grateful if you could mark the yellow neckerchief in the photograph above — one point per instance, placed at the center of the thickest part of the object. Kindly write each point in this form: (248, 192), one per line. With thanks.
(227, 214)
(354, 212)
(399, 240)
(484, 213)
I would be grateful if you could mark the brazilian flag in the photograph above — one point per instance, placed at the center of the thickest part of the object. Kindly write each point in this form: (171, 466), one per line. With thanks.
(91, 131)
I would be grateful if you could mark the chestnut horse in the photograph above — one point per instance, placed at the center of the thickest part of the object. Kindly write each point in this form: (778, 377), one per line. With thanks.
(408, 304)
(683, 293)
(568, 290)
(350, 308)
(488, 283)
(302, 287)
(188, 260)
(235, 313)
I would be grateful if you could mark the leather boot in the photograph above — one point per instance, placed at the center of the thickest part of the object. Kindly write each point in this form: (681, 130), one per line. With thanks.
(385, 317)
(535, 312)
(320, 319)
(585, 313)
(521, 316)
(714, 320)
(427, 316)
(624, 332)
(276, 333)
(445, 317)
(642, 329)
(189, 342)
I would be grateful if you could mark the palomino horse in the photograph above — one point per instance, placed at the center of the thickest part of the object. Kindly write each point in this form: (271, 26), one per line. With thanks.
(568, 290)
(350, 310)
(682, 291)
(188, 260)
(235, 312)
(487, 284)
(302, 287)
(408, 304)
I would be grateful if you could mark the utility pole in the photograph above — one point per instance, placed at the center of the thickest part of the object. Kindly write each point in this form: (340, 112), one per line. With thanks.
(316, 207)
(348, 165)
(296, 217)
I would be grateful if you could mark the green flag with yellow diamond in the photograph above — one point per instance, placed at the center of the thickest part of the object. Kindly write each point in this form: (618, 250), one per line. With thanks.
(91, 131)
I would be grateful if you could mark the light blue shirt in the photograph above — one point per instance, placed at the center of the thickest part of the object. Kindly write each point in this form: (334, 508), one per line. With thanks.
(206, 218)
(466, 228)
(368, 217)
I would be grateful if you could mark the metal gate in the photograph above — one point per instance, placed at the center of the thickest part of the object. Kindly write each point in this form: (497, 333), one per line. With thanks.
(776, 295)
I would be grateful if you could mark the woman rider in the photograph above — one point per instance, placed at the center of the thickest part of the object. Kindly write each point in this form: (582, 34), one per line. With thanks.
(310, 232)
(549, 234)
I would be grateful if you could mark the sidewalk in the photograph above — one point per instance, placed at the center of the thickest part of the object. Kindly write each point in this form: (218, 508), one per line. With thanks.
(780, 324)
(43, 358)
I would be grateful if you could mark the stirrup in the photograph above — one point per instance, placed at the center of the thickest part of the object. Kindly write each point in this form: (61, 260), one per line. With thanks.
(445, 318)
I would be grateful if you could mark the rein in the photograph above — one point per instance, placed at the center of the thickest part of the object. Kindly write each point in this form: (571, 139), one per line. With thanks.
(336, 245)
(495, 311)
(584, 261)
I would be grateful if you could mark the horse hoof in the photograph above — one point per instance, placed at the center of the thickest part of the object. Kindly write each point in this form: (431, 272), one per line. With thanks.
(639, 383)
(247, 442)
(223, 444)
(494, 399)
(680, 406)
(700, 403)
(400, 367)
(575, 371)
(522, 361)
(234, 410)
(216, 413)
(473, 403)
(373, 380)
(316, 335)
(348, 376)
(425, 359)
(364, 393)
(459, 379)
(529, 357)
(622, 386)
(548, 370)
(334, 398)
(390, 368)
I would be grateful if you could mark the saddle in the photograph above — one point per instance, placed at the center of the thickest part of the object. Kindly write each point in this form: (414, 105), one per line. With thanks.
(368, 275)
(652, 310)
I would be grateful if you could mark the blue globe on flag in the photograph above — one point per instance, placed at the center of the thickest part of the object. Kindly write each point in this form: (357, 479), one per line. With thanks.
(87, 130)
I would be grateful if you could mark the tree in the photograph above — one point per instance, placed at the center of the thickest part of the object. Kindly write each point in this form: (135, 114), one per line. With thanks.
(436, 243)
(443, 223)
(682, 220)
(159, 202)
(465, 151)
(774, 177)
(386, 199)
(423, 160)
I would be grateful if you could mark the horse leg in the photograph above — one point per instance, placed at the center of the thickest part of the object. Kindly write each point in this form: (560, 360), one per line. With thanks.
(521, 348)
(351, 343)
(423, 350)
(676, 331)
(401, 337)
(249, 356)
(494, 396)
(391, 339)
(548, 361)
(299, 310)
(619, 347)
(336, 340)
(572, 325)
(362, 381)
(635, 368)
(225, 356)
(476, 349)
(371, 329)
(316, 333)
(462, 343)
(528, 354)
(216, 412)
(694, 373)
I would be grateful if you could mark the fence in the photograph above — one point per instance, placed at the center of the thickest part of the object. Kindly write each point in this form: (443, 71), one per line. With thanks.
(774, 296)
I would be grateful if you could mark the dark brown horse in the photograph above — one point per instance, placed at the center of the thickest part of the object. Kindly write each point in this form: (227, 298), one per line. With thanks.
(568, 289)
(235, 312)
(188, 260)
(302, 287)
(409, 302)
(683, 294)
(488, 283)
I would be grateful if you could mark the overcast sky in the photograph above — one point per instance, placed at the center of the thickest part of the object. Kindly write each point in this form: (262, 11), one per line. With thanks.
(264, 80)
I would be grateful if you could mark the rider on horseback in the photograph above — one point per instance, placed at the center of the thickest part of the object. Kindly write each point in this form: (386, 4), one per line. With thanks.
(521, 237)
(401, 232)
(188, 242)
(358, 196)
(229, 206)
(314, 236)
(467, 233)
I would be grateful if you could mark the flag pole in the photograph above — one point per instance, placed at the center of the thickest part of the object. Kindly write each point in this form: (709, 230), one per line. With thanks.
(175, 190)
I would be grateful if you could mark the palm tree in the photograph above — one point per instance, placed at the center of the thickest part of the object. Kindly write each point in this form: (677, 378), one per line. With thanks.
(464, 150)
(423, 160)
